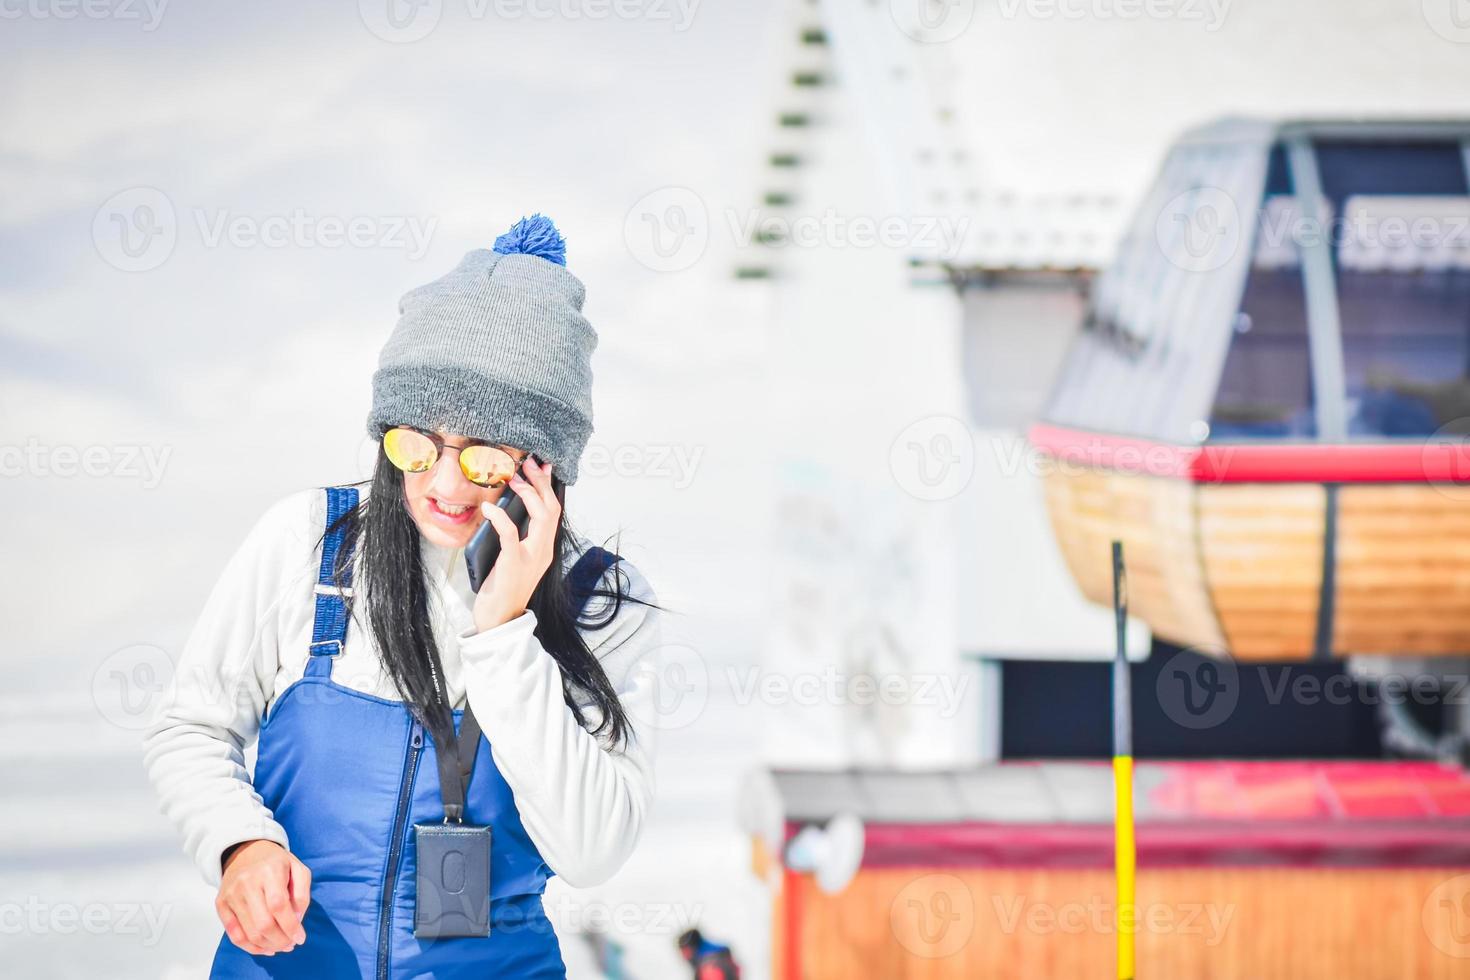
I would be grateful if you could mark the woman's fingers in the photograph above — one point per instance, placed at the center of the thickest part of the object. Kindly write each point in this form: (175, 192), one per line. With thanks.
(279, 902)
(300, 889)
(236, 931)
(545, 522)
(510, 535)
(259, 917)
(535, 505)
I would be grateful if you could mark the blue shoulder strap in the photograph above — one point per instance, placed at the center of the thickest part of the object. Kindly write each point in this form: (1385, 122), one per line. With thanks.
(329, 627)
(587, 572)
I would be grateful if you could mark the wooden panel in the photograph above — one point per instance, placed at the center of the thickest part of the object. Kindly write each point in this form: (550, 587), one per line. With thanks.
(1200, 923)
(1237, 567)
(1262, 550)
(1403, 570)
(1156, 520)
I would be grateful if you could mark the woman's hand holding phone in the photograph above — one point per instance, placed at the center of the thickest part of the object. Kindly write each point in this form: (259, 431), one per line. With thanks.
(263, 896)
(518, 570)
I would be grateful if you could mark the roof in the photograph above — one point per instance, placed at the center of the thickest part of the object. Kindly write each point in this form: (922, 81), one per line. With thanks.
(1261, 131)
(1189, 814)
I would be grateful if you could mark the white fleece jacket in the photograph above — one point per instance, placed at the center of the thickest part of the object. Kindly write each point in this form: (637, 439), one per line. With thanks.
(583, 803)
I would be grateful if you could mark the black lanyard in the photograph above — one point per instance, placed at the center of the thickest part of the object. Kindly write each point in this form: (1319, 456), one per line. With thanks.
(456, 762)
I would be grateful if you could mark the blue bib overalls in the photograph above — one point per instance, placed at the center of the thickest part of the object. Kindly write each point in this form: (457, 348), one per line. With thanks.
(348, 774)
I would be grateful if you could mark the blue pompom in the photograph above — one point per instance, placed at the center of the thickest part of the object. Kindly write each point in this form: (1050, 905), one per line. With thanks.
(535, 235)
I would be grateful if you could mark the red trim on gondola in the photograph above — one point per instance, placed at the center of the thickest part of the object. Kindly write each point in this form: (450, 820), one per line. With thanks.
(1426, 462)
(1169, 845)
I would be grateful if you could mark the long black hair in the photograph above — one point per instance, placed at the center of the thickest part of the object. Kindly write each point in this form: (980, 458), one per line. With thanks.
(390, 580)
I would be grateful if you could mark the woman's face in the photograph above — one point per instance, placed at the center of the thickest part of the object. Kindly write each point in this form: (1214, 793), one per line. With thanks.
(444, 503)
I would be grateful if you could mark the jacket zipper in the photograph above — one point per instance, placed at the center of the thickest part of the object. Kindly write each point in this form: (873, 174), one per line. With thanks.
(395, 847)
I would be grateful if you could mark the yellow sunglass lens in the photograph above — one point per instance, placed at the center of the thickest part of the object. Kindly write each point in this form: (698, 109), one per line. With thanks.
(410, 451)
(486, 465)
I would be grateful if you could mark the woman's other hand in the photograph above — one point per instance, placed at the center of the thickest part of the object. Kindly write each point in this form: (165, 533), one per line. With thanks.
(263, 896)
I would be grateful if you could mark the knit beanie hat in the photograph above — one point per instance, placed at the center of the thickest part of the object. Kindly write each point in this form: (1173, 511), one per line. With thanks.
(497, 350)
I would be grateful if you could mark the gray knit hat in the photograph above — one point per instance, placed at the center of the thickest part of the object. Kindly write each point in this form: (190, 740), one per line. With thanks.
(497, 349)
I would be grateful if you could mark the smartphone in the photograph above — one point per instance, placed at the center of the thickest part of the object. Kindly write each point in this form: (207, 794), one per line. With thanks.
(484, 547)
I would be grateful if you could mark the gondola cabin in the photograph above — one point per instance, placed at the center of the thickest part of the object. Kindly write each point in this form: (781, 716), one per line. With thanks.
(1269, 396)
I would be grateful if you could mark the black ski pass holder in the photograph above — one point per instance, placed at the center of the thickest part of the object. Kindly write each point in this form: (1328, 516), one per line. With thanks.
(452, 884)
(452, 893)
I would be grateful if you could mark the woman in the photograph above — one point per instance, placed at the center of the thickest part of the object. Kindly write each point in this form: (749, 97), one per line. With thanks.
(345, 634)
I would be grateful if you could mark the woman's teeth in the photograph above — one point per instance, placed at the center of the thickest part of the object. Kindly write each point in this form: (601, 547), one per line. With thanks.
(454, 510)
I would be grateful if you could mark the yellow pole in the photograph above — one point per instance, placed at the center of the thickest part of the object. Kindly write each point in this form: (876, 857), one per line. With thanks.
(1124, 851)
(1124, 860)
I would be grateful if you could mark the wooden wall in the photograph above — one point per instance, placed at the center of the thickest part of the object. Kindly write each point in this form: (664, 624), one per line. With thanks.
(1197, 923)
(1237, 568)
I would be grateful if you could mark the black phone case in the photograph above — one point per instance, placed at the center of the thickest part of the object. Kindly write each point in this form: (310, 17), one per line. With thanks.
(452, 888)
(484, 547)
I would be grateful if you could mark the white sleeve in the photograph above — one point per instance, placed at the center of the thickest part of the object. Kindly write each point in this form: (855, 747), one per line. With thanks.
(211, 709)
(582, 802)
